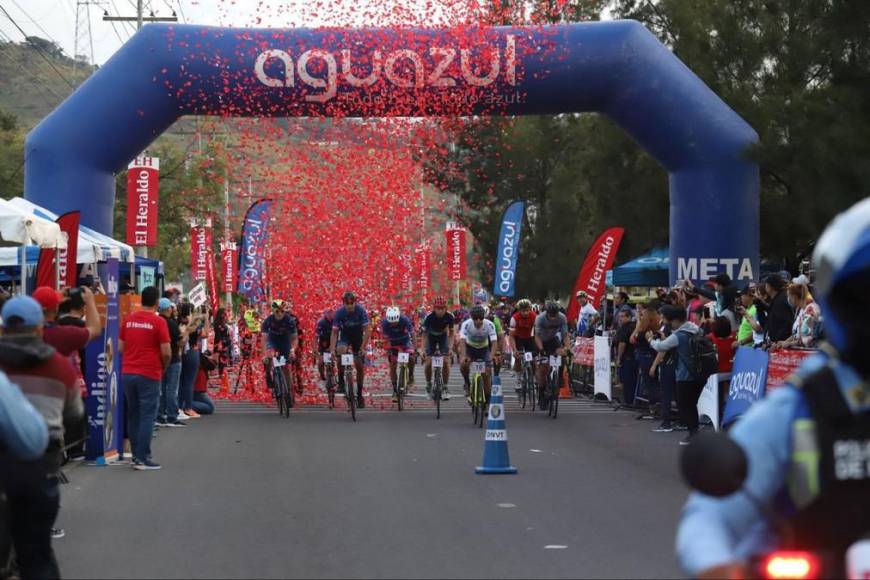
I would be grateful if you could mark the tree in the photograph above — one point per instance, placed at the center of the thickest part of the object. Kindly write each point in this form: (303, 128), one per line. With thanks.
(11, 156)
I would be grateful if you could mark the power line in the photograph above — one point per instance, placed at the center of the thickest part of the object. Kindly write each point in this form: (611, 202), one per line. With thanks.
(34, 22)
(39, 50)
(181, 11)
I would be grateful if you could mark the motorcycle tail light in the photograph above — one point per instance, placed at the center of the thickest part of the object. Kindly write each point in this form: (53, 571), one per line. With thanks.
(791, 565)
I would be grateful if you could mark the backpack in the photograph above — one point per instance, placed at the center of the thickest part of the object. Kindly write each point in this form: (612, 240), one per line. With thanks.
(703, 360)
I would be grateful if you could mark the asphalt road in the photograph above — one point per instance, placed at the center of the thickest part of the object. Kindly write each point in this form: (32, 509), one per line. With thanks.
(246, 493)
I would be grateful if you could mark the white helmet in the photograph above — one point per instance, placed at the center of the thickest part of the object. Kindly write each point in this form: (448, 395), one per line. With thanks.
(393, 314)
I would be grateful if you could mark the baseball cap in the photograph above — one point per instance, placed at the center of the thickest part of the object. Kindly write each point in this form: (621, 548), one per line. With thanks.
(22, 312)
(164, 304)
(48, 298)
(582, 293)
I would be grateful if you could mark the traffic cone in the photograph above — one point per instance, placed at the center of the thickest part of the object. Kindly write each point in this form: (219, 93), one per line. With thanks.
(495, 448)
(565, 392)
(225, 383)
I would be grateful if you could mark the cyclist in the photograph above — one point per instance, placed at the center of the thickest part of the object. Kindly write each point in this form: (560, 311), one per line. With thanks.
(806, 442)
(522, 333)
(351, 331)
(551, 338)
(438, 333)
(280, 338)
(477, 341)
(398, 330)
(323, 331)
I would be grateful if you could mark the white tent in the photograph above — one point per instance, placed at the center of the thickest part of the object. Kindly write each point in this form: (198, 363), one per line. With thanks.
(111, 248)
(19, 228)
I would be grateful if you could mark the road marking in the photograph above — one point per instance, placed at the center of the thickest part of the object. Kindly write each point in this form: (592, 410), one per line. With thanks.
(555, 547)
(535, 450)
(430, 435)
(506, 505)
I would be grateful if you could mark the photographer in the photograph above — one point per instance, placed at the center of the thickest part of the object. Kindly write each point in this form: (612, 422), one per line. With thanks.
(68, 339)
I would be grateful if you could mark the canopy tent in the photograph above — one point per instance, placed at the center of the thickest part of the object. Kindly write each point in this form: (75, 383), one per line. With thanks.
(19, 228)
(110, 248)
(649, 270)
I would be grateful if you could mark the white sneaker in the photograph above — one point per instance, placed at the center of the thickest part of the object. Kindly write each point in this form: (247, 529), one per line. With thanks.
(182, 416)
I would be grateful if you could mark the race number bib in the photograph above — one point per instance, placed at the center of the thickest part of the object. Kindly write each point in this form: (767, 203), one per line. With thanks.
(555, 361)
(404, 357)
(438, 362)
(478, 367)
(528, 357)
(327, 358)
(347, 359)
(278, 361)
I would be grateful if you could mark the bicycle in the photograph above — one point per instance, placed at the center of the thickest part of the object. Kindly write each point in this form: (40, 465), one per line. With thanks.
(553, 379)
(437, 380)
(329, 371)
(476, 391)
(347, 361)
(402, 377)
(528, 391)
(283, 391)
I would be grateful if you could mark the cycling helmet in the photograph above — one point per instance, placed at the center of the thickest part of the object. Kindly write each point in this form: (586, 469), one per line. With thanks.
(552, 308)
(439, 302)
(277, 303)
(393, 314)
(348, 296)
(478, 312)
(842, 286)
(524, 304)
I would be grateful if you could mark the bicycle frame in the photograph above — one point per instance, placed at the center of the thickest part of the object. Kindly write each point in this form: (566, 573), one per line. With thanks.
(477, 392)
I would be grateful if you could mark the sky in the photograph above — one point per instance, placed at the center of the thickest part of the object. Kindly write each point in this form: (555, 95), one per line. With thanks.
(56, 19)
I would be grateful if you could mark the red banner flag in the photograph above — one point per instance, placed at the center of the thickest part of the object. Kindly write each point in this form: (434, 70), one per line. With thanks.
(211, 280)
(66, 274)
(142, 196)
(455, 252)
(200, 250)
(424, 271)
(229, 262)
(591, 278)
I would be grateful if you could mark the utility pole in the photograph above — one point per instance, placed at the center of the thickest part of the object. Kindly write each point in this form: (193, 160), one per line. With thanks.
(82, 30)
(140, 18)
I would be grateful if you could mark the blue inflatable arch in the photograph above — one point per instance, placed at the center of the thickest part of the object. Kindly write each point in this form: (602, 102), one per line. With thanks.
(616, 68)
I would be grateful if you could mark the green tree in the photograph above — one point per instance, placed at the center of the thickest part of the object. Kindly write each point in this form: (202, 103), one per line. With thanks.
(11, 156)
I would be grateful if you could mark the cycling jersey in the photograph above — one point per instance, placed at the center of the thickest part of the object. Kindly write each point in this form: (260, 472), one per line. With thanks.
(522, 326)
(497, 323)
(323, 330)
(437, 325)
(399, 334)
(548, 329)
(478, 338)
(352, 321)
(279, 332)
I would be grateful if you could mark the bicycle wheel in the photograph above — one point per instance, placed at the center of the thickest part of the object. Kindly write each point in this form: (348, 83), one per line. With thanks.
(291, 397)
(330, 388)
(554, 398)
(474, 406)
(277, 381)
(482, 403)
(348, 388)
(400, 386)
(436, 393)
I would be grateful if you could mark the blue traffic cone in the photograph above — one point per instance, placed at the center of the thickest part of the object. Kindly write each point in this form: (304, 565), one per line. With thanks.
(495, 447)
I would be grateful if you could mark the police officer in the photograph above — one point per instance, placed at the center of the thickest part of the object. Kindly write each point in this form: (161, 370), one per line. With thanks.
(807, 443)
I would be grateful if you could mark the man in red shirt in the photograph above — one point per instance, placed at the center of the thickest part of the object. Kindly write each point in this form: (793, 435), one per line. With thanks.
(67, 340)
(146, 348)
(521, 332)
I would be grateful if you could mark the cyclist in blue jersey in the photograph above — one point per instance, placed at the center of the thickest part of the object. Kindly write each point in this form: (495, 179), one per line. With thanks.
(398, 330)
(323, 331)
(351, 331)
(438, 333)
(280, 336)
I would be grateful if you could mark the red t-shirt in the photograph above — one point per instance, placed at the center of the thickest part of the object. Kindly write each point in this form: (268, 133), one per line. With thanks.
(66, 339)
(725, 351)
(523, 325)
(143, 332)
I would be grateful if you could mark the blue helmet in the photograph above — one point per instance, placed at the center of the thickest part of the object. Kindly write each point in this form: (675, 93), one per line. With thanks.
(842, 279)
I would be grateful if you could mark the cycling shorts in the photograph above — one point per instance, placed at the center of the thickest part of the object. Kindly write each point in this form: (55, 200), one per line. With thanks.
(394, 349)
(550, 347)
(526, 344)
(323, 345)
(439, 341)
(484, 354)
(352, 340)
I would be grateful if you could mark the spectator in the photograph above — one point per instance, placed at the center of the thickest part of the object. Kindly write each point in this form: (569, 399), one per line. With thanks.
(145, 344)
(587, 312)
(167, 411)
(807, 319)
(725, 294)
(202, 403)
(749, 332)
(222, 340)
(23, 432)
(621, 303)
(688, 385)
(49, 382)
(724, 339)
(648, 319)
(626, 365)
(193, 327)
(664, 368)
(779, 314)
(68, 339)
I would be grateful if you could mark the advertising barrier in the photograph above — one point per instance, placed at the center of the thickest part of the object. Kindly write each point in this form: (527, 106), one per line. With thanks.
(603, 379)
(508, 252)
(748, 382)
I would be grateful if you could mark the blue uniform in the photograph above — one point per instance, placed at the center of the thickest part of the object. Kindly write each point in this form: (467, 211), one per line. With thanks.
(350, 325)
(400, 333)
(279, 333)
(716, 531)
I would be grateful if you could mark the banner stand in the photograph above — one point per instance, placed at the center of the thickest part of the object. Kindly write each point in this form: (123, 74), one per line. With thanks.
(708, 402)
(603, 377)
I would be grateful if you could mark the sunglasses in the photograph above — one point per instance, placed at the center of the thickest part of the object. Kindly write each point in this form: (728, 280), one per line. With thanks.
(477, 317)
(350, 301)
